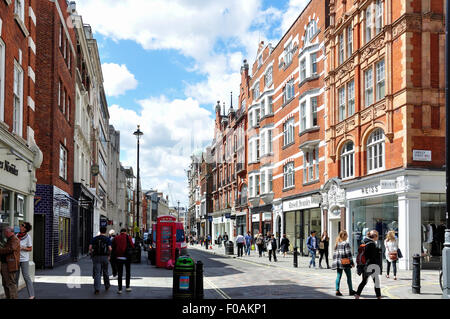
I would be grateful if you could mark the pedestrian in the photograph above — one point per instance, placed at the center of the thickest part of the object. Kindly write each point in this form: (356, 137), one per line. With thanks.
(284, 244)
(219, 240)
(323, 249)
(207, 238)
(240, 242)
(113, 260)
(372, 257)
(10, 263)
(312, 245)
(225, 238)
(391, 253)
(248, 243)
(122, 245)
(260, 244)
(272, 248)
(26, 245)
(343, 262)
(100, 249)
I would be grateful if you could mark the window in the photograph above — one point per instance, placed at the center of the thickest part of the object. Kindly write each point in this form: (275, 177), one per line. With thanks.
(64, 101)
(349, 41)
(19, 9)
(243, 104)
(288, 175)
(288, 132)
(368, 87)
(368, 24)
(256, 91)
(268, 77)
(260, 60)
(314, 111)
(289, 91)
(257, 116)
(378, 16)
(269, 141)
(250, 119)
(288, 54)
(102, 165)
(18, 99)
(64, 235)
(269, 105)
(263, 143)
(257, 150)
(68, 109)
(62, 162)
(314, 63)
(375, 151)
(351, 97)
(341, 48)
(303, 116)
(311, 31)
(270, 181)
(380, 79)
(311, 165)
(251, 193)
(2, 80)
(347, 160)
(263, 108)
(302, 70)
(342, 104)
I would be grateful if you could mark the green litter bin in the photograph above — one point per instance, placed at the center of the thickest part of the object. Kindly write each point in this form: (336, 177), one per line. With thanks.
(184, 278)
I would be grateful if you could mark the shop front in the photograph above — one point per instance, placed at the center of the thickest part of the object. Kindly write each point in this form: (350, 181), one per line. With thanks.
(301, 216)
(221, 224)
(409, 202)
(262, 220)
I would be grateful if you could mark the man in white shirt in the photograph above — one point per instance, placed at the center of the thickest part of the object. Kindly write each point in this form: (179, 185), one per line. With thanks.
(240, 240)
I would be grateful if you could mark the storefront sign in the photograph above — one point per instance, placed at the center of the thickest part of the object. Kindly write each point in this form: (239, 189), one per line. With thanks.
(301, 203)
(388, 184)
(10, 168)
(267, 216)
(421, 155)
(371, 189)
(255, 218)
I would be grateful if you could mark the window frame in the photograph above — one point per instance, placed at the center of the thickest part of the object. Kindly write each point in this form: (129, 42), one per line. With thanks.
(2, 80)
(288, 175)
(18, 77)
(373, 155)
(368, 87)
(349, 41)
(378, 80)
(288, 132)
(347, 158)
(63, 161)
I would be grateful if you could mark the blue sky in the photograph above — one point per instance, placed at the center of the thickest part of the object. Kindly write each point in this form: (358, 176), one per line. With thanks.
(166, 63)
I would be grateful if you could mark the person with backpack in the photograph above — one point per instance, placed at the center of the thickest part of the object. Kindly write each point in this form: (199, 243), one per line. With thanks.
(312, 245)
(122, 248)
(369, 257)
(100, 250)
(343, 262)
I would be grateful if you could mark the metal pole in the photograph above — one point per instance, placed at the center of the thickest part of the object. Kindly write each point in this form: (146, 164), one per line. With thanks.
(446, 250)
(416, 274)
(138, 184)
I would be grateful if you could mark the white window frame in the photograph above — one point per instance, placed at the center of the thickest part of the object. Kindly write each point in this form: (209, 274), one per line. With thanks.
(18, 99)
(351, 97)
(288, 54)
(376, 151)
(19, 9)
(380, 80)
(311, 165)
(256, 93)
(368, 87)
(341, 103)
(341, 53)
(62, 162)
(269, 77)
(349, 41)
(302, 70)
(289, 175)
(348, 161)
(368, 24)
(288, 132)
(313, 63)
(289, 91)
(2, 80)
(379, 11)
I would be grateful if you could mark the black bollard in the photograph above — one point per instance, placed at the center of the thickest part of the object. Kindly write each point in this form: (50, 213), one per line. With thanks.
(199, 281)
(295, 257)
(416, 274)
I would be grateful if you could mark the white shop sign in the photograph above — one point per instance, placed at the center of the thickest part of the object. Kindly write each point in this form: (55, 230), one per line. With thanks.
(267, 216)
(255, 218)
(388, 184)
(301, 203)
(422, 155)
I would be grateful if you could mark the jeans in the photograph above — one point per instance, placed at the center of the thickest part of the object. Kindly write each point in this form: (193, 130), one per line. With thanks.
(365, 277)
(348, 273)
(240, 249)
(100, 268)
(248, 248)
(120, 264)
(25, 267)
(394, 267)
(313, 258)
(273, 251)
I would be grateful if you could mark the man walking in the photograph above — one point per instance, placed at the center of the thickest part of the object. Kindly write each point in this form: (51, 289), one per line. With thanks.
(240, 240)
(312, 244)
(121, 245)
(112, 234)
(10, 260)
(100, 249)
(248, 243)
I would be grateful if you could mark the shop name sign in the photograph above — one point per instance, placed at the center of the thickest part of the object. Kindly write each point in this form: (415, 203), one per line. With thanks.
(301, 203)
(421, 155)
(10, 168)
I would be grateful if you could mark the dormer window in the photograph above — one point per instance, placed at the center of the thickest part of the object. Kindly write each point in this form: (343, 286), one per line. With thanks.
(311, 31)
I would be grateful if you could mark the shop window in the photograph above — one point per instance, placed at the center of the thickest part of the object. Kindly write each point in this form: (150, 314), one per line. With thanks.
(64, 235)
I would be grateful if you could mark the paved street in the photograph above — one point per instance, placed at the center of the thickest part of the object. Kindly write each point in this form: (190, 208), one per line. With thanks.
(227, 277)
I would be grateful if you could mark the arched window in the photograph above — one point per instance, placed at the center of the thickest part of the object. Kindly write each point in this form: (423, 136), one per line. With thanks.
(375, 151)
(288, 174)
(348, 160)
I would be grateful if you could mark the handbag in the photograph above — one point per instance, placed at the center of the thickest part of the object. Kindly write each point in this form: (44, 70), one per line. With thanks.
(321, 245)
(399, 253)
(345, 261)
(393, 255)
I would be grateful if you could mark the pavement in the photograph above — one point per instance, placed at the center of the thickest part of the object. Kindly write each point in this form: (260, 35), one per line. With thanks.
(390, 288)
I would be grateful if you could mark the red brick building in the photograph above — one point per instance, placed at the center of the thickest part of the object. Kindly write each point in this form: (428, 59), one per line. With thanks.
(54, 122)
(386, 123)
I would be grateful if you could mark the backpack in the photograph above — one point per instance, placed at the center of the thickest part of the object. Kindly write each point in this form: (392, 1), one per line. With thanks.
(361, 259)
(100, 246)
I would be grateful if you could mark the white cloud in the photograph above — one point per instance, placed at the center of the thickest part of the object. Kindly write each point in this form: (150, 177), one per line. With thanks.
(118, 79)
(294, 9)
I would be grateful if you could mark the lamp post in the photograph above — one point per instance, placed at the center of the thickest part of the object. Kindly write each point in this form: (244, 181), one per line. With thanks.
(446, 250)
(138, 135)
(178, 214)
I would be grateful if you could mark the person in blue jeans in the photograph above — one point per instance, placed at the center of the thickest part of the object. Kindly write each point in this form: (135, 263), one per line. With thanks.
(248, 243)
(312, 245)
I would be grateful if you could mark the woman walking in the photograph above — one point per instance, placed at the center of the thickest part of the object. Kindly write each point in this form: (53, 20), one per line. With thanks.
(343, 262)
(272, 248)
(260, 243)
(26, 246)
(284, 245)
(391, 253)
(323, 249)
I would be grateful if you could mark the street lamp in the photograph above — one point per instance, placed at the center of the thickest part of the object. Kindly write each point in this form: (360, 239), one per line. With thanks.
(446, 250)
(138, 135)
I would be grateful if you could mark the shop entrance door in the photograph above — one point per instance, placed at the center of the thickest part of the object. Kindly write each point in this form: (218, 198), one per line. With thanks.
(39, 242)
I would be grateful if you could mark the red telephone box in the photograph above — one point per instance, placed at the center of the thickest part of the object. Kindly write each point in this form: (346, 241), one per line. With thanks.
(165, 240)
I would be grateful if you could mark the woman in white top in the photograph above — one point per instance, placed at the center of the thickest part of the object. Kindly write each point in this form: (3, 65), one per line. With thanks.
(26, 246)
(391, 254)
